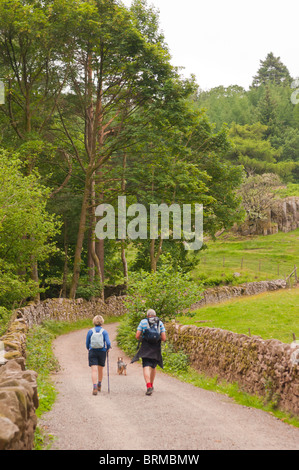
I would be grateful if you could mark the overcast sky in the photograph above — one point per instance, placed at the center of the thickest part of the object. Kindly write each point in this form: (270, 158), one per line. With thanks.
(222, 42)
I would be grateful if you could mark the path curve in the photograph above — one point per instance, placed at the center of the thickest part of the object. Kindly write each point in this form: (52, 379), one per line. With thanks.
(178, 416)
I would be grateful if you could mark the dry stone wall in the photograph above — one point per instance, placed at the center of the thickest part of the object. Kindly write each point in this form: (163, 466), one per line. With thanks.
(268, 368)
(18, 390)
(18, 402)
(69, 310)
(223, 293)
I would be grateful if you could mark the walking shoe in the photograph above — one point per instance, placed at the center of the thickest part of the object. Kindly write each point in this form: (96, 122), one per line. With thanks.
(94, 391)
(149, 391)
(99, 387)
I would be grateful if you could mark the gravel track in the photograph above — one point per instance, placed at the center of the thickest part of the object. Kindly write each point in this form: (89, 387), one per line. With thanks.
(178, 416)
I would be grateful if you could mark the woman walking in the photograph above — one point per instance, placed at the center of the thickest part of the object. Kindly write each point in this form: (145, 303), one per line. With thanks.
(98, 345)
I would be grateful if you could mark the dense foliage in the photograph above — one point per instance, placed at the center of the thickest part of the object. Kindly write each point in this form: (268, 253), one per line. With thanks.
(263, 122)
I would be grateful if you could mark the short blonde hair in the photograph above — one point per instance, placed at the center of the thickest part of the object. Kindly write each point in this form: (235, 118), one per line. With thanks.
(98, 320)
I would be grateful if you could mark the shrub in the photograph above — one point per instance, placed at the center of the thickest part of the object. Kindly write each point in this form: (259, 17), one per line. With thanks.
(168, 292)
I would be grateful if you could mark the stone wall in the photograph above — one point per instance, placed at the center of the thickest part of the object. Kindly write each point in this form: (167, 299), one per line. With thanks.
(18, 402)
(18, 387)
(268, 368)
(18, 390)
(69, 310)
(223, 293)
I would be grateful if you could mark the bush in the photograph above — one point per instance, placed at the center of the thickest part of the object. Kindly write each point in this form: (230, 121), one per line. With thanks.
(14, 288)
(169, 293)
(174, 361)
(166, 291)
(87, 289)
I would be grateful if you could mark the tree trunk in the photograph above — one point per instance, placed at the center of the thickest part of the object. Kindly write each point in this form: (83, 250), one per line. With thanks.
(81, 233)
(155, 257)
(124, 261)
(34, 276)
(100, 252)
(65, 266)
(65, 271)
(123, 243)
(91, 238)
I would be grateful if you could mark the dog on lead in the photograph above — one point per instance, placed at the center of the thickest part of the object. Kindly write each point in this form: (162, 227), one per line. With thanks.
(121, 366)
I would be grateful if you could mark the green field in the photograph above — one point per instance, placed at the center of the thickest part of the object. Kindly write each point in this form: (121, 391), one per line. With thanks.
(272, 315)
(255, 258)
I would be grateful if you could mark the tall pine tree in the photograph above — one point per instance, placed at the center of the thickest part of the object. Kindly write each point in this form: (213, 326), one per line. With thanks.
(272, 70)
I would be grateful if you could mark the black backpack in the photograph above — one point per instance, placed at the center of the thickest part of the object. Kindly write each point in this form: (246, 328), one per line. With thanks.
(152, 334)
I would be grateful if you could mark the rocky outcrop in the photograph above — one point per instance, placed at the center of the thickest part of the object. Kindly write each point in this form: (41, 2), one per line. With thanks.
(267, 368)
(285, 213)
(223, 293)
(283, 216)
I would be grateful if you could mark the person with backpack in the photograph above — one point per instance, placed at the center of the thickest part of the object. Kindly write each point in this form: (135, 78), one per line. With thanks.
(151, 332)
(98, 345)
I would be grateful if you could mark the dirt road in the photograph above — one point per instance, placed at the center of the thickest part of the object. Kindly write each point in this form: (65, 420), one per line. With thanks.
(177, 416)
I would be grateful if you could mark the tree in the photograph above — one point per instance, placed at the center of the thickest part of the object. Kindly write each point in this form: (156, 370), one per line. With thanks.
(116, 73)
(266, 112)
(272, 70)
(258, 193)
(225, 105)
(251, 149)
(182, 165)
(34, 79)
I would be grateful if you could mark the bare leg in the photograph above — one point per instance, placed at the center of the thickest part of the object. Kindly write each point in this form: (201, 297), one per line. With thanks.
(152, 376)
(147, 374)
(94, 374)
(100, 373)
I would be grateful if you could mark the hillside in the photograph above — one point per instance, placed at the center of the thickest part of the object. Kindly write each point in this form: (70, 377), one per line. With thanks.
(272, 315)
(233, 259)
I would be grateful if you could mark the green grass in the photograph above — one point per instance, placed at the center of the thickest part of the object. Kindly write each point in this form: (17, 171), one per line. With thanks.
(254, 258)
(291, 189)
(271, 315)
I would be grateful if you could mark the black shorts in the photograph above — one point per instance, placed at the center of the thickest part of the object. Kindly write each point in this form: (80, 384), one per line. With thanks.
(146, 362)
(96, 357)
